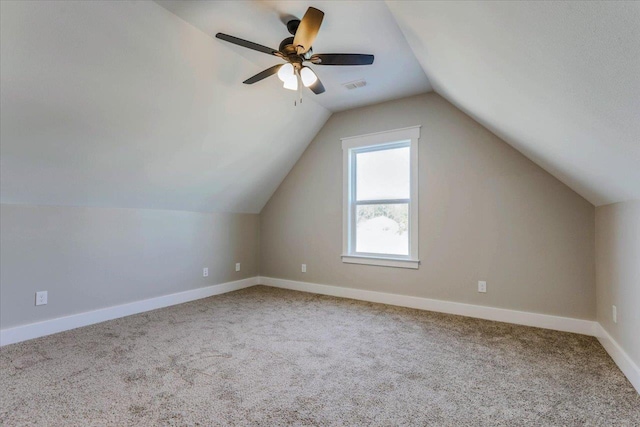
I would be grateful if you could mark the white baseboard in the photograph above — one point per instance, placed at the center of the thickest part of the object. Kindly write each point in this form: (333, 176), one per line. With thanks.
(565, 324)
(622, 359)
(60, 324)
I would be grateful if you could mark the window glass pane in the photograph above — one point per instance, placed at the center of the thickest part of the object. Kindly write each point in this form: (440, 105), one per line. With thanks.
(382, 229)
(383, 174)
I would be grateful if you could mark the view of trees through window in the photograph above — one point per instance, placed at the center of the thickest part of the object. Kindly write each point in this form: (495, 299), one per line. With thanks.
(383, 229)
(397, 213)
(383, 176)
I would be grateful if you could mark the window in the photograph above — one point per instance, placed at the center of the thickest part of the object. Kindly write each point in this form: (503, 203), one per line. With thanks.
(380, 201)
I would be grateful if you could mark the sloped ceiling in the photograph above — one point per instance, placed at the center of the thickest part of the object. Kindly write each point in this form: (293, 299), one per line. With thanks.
(124, 104)
(560, 81)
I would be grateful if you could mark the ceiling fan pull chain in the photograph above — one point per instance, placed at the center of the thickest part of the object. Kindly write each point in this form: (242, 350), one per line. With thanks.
(299, 90)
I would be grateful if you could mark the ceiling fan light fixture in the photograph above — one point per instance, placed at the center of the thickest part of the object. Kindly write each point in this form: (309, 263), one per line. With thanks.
(291, 84)
(286, 73)
(308, 76)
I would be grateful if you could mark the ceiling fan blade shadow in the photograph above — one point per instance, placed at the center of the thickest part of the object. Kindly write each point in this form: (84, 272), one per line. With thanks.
(342, 59)
(308, 30)
(263, 74)
(317, 87)
(248, 44)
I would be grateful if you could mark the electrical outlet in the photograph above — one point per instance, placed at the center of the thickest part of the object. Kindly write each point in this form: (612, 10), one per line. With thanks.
(237, 266)
(41, 298)
(614, 313)
(205, 272)
(482, 286)
(304, 268)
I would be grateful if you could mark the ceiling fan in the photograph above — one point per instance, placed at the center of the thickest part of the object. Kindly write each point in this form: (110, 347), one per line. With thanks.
(296, 51)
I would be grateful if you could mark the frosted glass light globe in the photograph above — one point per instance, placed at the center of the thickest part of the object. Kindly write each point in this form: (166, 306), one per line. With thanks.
(291, 84)
(285, 73)
(308, 76)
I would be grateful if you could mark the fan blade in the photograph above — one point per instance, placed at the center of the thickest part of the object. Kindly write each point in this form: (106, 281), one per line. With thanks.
(317, 87)
(308, 30)
(248, 44)
(342, 59)
(263, 74)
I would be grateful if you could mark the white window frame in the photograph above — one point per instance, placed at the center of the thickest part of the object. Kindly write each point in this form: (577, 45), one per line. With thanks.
(374, 141)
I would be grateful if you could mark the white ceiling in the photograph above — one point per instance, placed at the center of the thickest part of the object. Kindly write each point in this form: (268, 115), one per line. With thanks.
(123, 104)
(348, 27)
(560, 81)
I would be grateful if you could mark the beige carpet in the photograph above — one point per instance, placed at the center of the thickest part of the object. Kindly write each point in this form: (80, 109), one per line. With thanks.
(269, 357)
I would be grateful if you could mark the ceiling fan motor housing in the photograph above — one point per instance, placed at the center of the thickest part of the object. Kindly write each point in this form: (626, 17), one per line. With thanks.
(290, 52)
(287, 43)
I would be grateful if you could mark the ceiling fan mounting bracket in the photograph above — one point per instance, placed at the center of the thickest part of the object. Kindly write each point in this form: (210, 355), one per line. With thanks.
(292, 26)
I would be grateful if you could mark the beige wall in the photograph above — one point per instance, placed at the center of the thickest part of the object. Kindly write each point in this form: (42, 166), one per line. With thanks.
(618, 273)
(486, 213)
(90, 258)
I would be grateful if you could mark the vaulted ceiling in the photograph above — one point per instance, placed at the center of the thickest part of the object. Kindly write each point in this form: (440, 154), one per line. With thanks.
(130, 104)
(559, 81)
(124, 104)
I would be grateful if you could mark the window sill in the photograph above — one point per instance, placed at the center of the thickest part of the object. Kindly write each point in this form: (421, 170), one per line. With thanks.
(384, 262)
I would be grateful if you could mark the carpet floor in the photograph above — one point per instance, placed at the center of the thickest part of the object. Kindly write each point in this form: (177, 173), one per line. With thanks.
(268, 357)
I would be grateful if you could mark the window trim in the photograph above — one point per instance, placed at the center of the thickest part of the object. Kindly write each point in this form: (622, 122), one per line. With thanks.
(408, 136)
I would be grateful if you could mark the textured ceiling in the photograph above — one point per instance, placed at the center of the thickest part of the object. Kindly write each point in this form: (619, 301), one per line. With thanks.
(560, 81)
(123, 104)
(348, 27)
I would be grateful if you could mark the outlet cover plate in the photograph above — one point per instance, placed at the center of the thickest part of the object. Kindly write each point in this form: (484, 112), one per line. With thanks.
(42, 298)
(482, 286)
